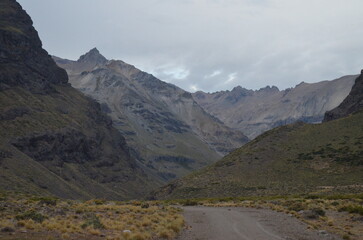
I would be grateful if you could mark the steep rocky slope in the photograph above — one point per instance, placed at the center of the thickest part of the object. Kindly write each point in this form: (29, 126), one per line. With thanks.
(168, 131)
(351, 104)
(292, 159)
(254, 112)
(53, 139)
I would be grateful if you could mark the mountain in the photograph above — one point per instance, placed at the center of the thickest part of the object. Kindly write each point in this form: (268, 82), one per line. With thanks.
(53, 139)
(293, 159)
(169, 133)
(351, 104)
(254, 112)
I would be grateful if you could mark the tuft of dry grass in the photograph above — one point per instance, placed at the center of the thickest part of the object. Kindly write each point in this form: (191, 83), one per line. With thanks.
(94, 219)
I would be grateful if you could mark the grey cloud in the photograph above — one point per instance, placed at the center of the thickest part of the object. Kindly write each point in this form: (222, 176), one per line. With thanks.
(252, 43)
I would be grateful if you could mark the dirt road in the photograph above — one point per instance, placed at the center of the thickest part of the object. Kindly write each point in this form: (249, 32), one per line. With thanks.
(208, 223)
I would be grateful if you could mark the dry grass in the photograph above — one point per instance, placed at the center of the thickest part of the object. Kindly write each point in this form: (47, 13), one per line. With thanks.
(93, 219)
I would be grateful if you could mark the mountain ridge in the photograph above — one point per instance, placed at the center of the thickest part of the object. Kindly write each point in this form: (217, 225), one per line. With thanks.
(168, 131)
(256, 111)
(299, 158)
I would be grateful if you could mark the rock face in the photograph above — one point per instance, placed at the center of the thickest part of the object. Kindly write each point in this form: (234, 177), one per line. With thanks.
(254, 112)
(352, 104)
(168, 131)
(23, 62)
(53, 139)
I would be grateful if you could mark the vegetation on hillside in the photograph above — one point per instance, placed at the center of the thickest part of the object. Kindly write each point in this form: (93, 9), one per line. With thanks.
(293, 159)
(60, 143)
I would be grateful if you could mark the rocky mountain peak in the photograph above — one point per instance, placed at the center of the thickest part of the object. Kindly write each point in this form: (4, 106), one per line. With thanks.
(241, 91)
(23, 62)
(269, 89)
(238, 93)
(237, 90)
(93, 56)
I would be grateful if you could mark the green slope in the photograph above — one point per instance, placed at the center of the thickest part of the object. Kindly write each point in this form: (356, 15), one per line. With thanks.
(293, 159)
(50, 167)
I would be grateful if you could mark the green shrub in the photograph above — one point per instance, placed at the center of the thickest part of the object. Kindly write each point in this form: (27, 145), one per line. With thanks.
(99, 201)
(312, 197)
(189, 202)
(136, 203)
(352, 209)
(145, 205)
(48, 201)
(314, 213)
(335, 203)
(298, 206)
(37, 217)
(94, 221)
(319, 211)
(79, 211)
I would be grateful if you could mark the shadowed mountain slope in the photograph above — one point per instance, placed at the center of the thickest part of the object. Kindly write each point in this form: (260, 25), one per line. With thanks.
(53, 139)
(351, 104)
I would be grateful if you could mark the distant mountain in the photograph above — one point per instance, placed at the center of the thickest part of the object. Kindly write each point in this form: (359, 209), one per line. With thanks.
(254, 112)
(293, 159)
(169, 133)
(351, 104)
(53, 139)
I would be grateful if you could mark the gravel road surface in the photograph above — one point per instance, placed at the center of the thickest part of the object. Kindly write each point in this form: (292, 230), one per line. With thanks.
(210, 223)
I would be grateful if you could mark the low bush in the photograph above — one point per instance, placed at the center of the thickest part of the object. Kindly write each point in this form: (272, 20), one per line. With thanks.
(50, 201)
(352, 209)
(33, 215)
(319, 211)
(189, 202)
(298, 206)
(99, 201)
(93, 221)
(314, 213)
(145, 205)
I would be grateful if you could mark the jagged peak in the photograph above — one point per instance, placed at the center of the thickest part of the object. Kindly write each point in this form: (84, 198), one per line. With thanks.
(93, 56)
(238, 88)
(270, 88)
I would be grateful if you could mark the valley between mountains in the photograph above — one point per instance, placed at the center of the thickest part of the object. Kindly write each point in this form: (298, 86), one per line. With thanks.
(97, 149)
(168, 132)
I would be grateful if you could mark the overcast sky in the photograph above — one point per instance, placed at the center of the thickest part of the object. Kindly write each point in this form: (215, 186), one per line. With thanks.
(211, 45)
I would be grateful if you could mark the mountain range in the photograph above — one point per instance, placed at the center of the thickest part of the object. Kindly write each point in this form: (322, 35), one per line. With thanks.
(160, 121)
(168, 132)
(254, 112)
(298, 158)
(105, 129)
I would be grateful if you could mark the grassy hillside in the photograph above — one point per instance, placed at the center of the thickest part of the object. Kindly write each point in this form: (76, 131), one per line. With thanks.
(48, 164)
(293, 159)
